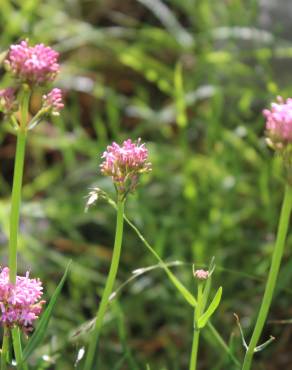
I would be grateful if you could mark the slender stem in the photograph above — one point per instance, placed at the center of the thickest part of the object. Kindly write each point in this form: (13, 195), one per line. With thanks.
(5, 347)
(195, 346)
(196, 335)
(15, 203)
(15, 208)
(18, 349)
(272, 277)
(92, 350)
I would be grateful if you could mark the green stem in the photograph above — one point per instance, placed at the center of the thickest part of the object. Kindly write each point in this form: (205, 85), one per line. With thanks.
(196, 335)
(195, 346)
(15, 208)
(15, 203)
(92, 350)
(18, 349)
(5, 347)
(272, 277)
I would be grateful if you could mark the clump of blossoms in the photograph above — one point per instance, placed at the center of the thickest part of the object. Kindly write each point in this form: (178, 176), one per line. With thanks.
(20, 303)
(32, 64)
(124, 164)
(279, 122)
(279, 130)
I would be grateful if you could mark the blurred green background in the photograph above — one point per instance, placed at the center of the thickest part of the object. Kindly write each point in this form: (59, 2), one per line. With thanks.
(191, 79)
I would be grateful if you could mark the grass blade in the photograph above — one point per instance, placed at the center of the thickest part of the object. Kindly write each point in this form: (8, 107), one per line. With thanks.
(211, 309)
(41, 329)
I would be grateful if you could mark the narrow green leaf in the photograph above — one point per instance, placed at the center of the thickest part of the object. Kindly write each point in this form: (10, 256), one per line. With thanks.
(264, 345)
(211, 309)
(41, 328)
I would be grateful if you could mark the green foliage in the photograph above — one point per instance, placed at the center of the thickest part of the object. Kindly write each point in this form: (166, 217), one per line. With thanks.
(203, 319)
(41, 329)
(190, 80)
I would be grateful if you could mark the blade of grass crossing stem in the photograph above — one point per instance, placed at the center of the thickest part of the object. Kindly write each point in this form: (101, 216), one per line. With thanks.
(41, 329)
(183, 290)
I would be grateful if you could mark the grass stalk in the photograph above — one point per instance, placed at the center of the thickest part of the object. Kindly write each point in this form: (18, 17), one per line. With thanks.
(272, 277)
(91, 358)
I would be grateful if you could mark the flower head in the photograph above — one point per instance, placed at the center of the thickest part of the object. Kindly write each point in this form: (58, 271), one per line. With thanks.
(279, 123)
(53, 101)
(201, 274)
(8, 102)
(125, 163)
(20, 303)
(33, 64)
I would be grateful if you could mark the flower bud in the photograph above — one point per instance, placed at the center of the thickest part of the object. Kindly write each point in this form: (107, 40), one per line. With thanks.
(53, 101)
(124, 164)
(201, 274)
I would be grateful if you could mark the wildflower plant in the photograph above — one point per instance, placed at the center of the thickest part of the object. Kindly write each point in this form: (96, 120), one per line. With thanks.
(30, 68)
(279, 131)
(279, 137)
(202, 314)
(20, 303)
(123, 164)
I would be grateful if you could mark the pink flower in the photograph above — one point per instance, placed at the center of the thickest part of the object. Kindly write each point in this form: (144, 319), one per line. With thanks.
(20, 303)
(279, 122)
(125, 163)
(201, 274)
(53, 101)
(33, 64)
(8, 100)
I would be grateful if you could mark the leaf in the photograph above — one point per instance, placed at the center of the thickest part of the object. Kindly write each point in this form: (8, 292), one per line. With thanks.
(211, 309)
(264, 345)
(41, 328)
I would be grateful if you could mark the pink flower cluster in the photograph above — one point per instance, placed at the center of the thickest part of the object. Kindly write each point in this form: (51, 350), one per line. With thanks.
(125, 163)
(7, 100)
(33, 64)
(53, 101)
(201, 274)
(20, 303)
(279, 122)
